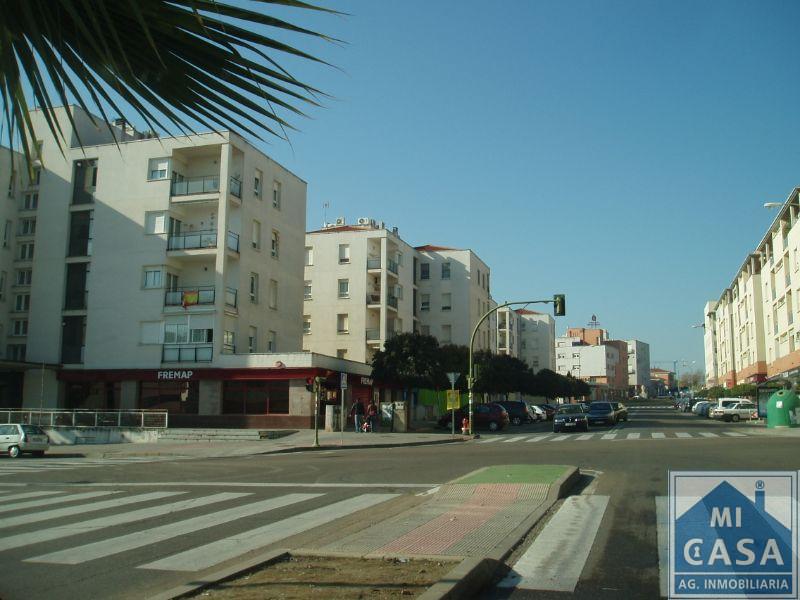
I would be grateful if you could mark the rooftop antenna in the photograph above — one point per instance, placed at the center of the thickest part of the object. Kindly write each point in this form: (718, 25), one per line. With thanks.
(325, 207)
(594, 323)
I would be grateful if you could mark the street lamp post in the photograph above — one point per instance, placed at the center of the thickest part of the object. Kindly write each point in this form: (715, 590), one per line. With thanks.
(559, 309)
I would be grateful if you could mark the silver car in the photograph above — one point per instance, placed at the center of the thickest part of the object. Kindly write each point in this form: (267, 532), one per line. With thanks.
(16, 439)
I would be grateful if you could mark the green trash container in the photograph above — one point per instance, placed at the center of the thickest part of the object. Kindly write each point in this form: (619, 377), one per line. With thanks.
(781, 409)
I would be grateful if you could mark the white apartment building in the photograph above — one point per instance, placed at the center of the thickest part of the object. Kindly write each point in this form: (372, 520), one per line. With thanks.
(638, 366)
(454, 293)
(527, 335)
(359, 289)
(179, 255)
(710, 342)
(597, 365)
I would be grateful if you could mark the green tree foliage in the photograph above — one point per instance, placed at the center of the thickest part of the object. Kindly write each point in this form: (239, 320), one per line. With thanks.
(717, 392)
(453, 359)
(408, 360)
(743, 390)
(501, 374)
(213, 62)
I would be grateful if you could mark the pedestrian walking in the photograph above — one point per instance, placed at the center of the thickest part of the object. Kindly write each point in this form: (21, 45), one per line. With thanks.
(372, 415)
(357, 410)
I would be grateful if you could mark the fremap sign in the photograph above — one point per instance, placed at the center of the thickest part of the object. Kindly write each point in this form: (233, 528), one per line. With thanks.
(733, 534)
(174, 375)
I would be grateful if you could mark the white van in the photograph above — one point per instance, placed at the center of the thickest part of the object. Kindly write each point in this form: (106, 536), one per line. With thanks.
(16, 439)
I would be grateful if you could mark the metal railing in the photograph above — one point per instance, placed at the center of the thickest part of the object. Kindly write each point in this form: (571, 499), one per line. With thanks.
(391, 301)
(374, 263)
(207, 184)
(157, 419)
(392, 266)
(185, 296)
(373, 298)
(186, 353)
(373, 334)
(233, 241)
(236, 187)
(231, 296)
(192, 241)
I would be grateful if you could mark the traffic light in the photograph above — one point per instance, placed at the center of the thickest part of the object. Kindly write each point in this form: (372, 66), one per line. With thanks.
(559, 305)
(310, 384)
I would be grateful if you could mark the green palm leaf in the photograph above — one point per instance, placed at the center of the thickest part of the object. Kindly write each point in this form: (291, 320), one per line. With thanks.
(174, 62)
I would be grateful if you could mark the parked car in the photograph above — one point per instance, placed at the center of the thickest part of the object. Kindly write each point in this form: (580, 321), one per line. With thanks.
(701, 408)
(517, 411)
(621, 410)
(735, 411)
(549, 410)
(16, 439)
(537, 413)
(570, 417)
(489, 416)
(603, 412)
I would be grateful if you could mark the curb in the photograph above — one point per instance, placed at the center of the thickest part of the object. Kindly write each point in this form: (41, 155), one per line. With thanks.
(472, 574)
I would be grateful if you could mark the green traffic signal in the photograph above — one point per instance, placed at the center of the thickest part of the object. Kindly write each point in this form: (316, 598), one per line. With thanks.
(559, 305)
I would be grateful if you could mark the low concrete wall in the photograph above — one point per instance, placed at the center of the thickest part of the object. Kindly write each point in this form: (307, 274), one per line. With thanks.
(65, 436)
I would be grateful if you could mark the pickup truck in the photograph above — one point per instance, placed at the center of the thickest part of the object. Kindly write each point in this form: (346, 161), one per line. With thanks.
(735, 411)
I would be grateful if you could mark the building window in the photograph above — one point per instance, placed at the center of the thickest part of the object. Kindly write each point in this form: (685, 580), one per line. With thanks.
(176, 397)
(342, 323)
(19, 327)
(276, 194)
(344, 253)
(152, 278)
(344, 288)
(30, 201)
(256, 234)
(447, 301)
(155, 222)
(272, 342)
(306, 324)
(26, 226)
(15, 352)
(158, 168)
(228, 342)
(254, 288)
(425, 302)
(80, 233)
(307, 290)
(37, 175)
(276, 240)
(24, 277)
(309, 256)
(252, 340)
(25, 251)
(255, 397)
(7, 233)
(257, 179)
(424, 270)
(341, 353)
(446, 270)
(447, 333)
(22, 302)
(273, 293)
(2, 285)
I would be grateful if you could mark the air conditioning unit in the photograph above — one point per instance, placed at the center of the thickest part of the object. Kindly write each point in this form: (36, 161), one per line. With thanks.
(340, 221)
(363, 221)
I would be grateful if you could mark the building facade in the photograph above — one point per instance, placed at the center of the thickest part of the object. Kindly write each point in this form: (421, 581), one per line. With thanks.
(527, 335)
(598, 365)
(638, 366)
(710, 342)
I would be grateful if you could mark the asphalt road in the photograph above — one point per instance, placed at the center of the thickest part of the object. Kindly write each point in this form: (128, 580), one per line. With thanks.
(94, 554)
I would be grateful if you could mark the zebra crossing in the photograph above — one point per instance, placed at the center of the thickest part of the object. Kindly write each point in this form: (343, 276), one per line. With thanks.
(608, 436)
(18, 466)
(180, 530)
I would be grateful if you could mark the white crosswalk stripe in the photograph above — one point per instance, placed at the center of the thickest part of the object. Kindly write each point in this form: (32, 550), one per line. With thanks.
(733, 434)
(515, 439)
(489, 440)
(683, 434)
(27, 495)
(615, 433)
(708, 434)
(108, 547)
(657, 435)
(35, 465)
(609, 436)
(633, 436)
(538, 438)
(52, 500)
(585, 436)
(217, 552)
(559, 438)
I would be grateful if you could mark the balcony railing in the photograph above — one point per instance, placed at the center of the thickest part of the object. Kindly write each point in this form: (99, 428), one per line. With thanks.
(236, 187)
(373, 335)
(192, 241)
(189, 296)
(373, 298)
(187, 353)
(231, 296)
(87, 418)
(392, 266)
(374, 263)
(207, 184)
(392, 301)
(233, 241)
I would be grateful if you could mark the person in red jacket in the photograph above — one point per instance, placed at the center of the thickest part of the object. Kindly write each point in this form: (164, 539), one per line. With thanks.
(372, 415)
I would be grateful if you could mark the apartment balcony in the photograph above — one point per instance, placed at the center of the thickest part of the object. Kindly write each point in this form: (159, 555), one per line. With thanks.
(373, 263)
(232, 244)
(373, 336)
(203, 295)
(392, 266)
(374, 300)
(195, 240)
(231, 297)
(392, 302)
(203, 188)
(186, 353)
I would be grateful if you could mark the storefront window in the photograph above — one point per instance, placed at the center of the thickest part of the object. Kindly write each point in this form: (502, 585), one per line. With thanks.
(177, 397)
(255, 397)
(94, 396)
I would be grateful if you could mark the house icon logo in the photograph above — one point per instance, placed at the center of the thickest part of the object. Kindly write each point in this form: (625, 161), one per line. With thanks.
(733, 535)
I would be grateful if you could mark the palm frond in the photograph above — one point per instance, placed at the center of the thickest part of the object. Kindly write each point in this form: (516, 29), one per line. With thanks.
(173, 62)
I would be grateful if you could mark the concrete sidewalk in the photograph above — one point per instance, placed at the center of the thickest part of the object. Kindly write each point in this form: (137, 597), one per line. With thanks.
(296, 442)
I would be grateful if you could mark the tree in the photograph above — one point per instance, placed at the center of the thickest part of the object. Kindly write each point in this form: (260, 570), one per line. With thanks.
(453, 359)
(743, 390)
(500, 373)
(717, 392)
(175, 61)
(547, 383)
(691, 379)
(408, 360)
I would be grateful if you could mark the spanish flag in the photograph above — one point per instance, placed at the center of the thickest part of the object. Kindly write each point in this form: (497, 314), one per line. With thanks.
(190, 298)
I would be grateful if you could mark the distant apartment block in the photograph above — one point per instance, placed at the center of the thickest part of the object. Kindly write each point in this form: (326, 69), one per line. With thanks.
(527, 335)
(599, 365)
(638, 366)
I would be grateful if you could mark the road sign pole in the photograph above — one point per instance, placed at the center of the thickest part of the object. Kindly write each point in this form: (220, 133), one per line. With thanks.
(342, 388)
(453, 377)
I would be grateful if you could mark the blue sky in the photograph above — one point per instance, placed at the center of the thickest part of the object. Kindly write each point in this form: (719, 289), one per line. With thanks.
(618, 152)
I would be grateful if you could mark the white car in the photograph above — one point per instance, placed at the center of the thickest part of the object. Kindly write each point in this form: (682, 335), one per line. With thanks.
(16, 439)
(735, 411)
(537, 413)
